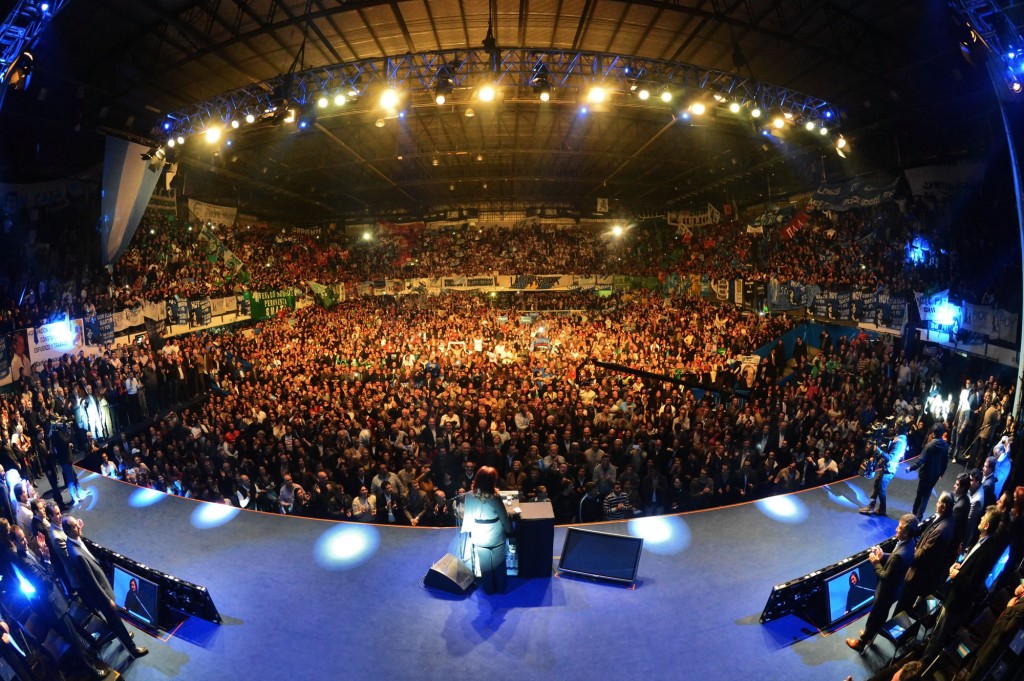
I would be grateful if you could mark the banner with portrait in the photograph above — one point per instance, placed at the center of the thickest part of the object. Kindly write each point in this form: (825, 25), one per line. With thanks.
(53, 341)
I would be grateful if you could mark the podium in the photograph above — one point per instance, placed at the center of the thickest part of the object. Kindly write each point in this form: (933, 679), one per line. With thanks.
(535, 539)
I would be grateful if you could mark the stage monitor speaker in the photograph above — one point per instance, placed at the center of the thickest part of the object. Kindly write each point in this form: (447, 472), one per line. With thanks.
(604, 555)
(449, 574)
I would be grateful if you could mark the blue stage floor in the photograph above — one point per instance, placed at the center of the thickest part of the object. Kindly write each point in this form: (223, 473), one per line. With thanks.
(306, 599)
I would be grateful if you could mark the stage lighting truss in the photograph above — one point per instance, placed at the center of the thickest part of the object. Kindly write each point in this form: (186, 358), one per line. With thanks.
(522, 75)
(19, 31)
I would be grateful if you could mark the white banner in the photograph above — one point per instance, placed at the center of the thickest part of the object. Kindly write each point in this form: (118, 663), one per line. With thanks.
(689, 218)
(52, 341)
(928, 306)
(208, 212)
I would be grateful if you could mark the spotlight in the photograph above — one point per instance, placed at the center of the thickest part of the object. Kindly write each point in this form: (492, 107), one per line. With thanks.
(181, 140)
(290, 118)
(379, 123)
(755, 113)
(367, 236)
(249, 118)
(234, 125)
(666, 96)
(545, 95)
(779, 122)
(45, 7)
(617, 230)
(788, 116)
(435, 161)
(322, 102)
(583, 110)
(213, 134)
(307, 117)
(644, 94)
(823, 131)
(841, 142)
(352, 93)
(828, 114)
(451, 187)
(597, 95)
(487, 93)
(809, 126)
(698, 108)
(339, 99)
(389, 100)
(540, 82)
(479, 157)
(444, 85)
(1015, 86)
(171, 143)
(469, 113)
(734, 107)
(167, 126)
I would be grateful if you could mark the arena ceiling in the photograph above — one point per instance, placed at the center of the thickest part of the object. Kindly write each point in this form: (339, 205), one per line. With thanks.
(891, 70)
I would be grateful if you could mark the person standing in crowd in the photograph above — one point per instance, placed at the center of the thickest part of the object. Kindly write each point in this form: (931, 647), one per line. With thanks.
(932, 556)
(486, 522)
(966, 578)
(93, 586)
(886, 465)
(931, 465)
(891, 570)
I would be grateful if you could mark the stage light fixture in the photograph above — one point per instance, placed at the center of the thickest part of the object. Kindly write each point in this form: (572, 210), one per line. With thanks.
(167, 126)
(487, 93)
(181, 140)
(583, 111)
(234, 125)
(479, 157)
(734, 107)
(809, 126)
(644, 94)
(444, 85)
(540, 82)
(435, 161)
(666, 96)
(841, 142)
(171, 143)
(249, 118)
(545, 95)
(779, 122)
(389, 100)
(322, 102)
(617, 230)
(823, 131)
(469, 113)
(379, 123)
(755, 113)
(339, 99)
(788, 116)
(597, 95)
(367, 236)
(698, 108)
(290, 117)
(213, 134)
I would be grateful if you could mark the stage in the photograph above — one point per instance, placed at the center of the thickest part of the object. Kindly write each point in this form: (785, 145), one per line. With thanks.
(308, 599)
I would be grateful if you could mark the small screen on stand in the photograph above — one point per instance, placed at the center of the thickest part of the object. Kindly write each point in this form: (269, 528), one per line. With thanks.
(851, 590)
(136, 596)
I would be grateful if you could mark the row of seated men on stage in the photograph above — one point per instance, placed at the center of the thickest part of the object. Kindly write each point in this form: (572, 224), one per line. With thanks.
(952, 556)
(51, 581)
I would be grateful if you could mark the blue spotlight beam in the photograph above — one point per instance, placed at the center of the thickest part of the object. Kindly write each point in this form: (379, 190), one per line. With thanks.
(569, 71)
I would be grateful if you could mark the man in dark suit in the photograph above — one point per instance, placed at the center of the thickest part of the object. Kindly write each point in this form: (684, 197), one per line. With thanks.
(391, 507)
(932, 557)
(931, 466)
(891, 570)
(49, 602)
(93, 587)
(965, 581)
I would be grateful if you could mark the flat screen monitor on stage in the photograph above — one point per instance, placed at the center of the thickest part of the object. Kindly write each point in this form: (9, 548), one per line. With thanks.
(600, 554)
(136, 596)
(850, 590)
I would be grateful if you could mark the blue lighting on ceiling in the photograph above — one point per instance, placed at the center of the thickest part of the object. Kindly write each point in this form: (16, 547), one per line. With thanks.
(663, 534)
(141, 498)
(208, 515)
(786, 509)
(346, 546)
(167, 125)
(583, 111)
(828, 114)
(765, 132)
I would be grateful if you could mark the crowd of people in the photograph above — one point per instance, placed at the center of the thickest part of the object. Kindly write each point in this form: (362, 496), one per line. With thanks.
(862, 249)
(311, 413)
